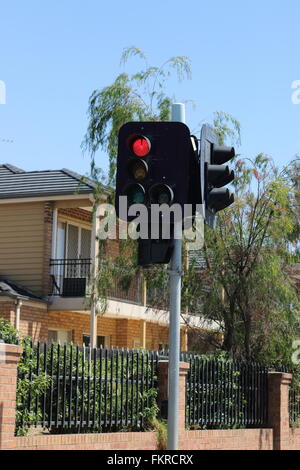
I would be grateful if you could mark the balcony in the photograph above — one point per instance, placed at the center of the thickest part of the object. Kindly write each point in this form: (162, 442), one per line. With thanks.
(70, 278)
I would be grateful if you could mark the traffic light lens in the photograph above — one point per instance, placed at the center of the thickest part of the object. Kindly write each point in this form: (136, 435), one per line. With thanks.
(141, 146)
(135, 194)
(161, 194)
(163, 198)
(138, 169)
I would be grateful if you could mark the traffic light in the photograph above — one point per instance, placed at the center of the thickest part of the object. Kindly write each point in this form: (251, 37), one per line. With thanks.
(154, 167)
(153, 163)
(214, 175)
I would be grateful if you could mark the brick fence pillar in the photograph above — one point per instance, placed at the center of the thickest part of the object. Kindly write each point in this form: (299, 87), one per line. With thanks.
(9, 358)
(162, 396)
(183, 371)
(163, 367)
(278, 408)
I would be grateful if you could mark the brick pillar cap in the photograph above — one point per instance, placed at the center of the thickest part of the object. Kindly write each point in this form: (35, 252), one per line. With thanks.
(11, 348)
(283, 377)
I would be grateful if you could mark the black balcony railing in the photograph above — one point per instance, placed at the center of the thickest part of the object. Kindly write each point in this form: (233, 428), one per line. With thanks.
(70, 277)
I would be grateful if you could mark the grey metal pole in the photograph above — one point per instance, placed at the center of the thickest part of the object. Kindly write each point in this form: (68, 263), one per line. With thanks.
(178, 115)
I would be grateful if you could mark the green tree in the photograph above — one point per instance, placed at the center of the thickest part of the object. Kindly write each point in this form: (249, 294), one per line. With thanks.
(139, 96)
(251, 297)
(249, 256)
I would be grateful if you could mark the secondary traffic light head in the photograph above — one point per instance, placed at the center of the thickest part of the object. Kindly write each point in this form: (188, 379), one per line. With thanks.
(214, 175)
(153, 164)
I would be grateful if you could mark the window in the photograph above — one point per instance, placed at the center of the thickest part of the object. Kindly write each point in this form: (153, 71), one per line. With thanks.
(73, 241)
(102, 341)
(78, 244)
(73, 248)
(163, 346)
(59, 336)
(136, 343)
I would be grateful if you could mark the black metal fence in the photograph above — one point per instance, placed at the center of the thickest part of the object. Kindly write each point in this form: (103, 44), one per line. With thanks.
(294, 406)
(226, 394)
(86, 389)
(72, 389)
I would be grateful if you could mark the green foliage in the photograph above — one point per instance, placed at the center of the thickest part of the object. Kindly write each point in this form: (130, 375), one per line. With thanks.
(227, 126)
(132, 97)
(160, 426)
(217, 394)
(27, 389)
(249, 255)
(8, 333)
(115, 274)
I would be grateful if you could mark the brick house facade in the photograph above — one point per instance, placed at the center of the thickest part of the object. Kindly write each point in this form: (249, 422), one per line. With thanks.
(44, 269)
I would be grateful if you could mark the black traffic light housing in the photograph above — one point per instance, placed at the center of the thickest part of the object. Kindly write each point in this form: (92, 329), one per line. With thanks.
(157, 163)
(153, 163)
(214, 175)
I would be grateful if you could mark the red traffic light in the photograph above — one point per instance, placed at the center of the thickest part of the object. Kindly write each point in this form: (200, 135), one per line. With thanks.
(140, 146)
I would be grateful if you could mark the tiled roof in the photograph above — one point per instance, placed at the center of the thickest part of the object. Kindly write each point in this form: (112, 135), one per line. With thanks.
(17, 183)
(11, 289)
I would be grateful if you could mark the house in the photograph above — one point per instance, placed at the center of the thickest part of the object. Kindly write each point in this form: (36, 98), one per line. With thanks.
(48, 250)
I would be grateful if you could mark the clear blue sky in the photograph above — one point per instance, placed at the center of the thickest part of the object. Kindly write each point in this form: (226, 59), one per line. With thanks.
(244, 54)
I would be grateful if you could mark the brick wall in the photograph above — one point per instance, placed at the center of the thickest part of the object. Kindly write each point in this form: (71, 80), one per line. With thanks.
(9, 358)
(122, 331)
(34, 322)
(33, 319)
(231, 439)
(294, 439)
(279, 435)
(7, 311)
(160, 335)
(76, 214)
(107, 441)
(278, 392)
(79, 324)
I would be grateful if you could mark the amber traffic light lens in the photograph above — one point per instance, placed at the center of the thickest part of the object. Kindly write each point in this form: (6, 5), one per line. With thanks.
(141, 146)
(138, 169)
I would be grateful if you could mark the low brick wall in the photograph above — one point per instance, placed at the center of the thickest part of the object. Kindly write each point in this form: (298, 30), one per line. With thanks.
(238, 439)
(278, 436)
(107, 441)
(294, 439)
(228, 439)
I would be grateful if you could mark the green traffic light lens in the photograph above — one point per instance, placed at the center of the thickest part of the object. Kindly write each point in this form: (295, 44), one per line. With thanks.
(161, 194)
(163, 198)
(135, 194)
